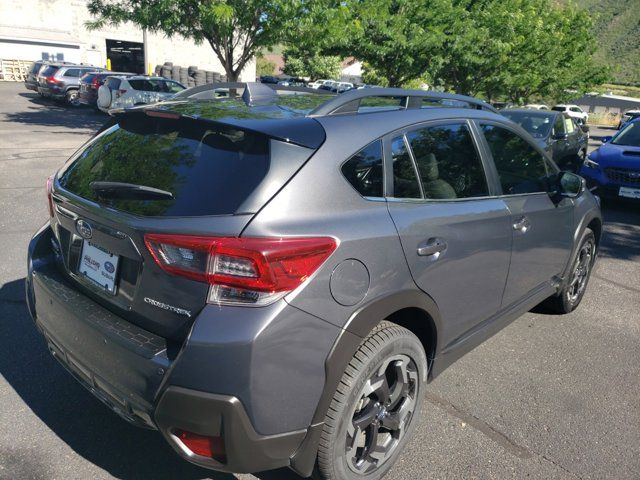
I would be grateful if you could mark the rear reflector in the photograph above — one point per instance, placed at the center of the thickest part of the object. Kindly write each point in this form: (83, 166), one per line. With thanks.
(211, 447)
(248, 271)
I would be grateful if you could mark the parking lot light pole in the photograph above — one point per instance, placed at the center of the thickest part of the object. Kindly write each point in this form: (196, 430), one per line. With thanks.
(147, 70)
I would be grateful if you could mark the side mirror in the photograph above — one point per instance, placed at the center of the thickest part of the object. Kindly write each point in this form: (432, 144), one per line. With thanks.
(606, 139)
(560, 136)
(585, 128)
(571, 185)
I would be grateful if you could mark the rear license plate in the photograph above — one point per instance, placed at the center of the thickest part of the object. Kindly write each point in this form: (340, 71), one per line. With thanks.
(629, 192)
(99, 266)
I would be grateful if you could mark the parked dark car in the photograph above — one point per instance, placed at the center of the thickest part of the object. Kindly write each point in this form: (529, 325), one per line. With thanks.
(557, 134)
(614, 168)
(31, 81)
(269, 79)
(273, 287)
(90, 83)
(62, 81)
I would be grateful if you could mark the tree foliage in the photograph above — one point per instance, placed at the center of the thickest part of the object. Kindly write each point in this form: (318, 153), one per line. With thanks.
(516, 49)
(264, 66)
(235, 29)
(299, 63)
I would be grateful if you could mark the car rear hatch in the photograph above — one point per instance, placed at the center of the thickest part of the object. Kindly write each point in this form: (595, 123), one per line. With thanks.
(182, 176)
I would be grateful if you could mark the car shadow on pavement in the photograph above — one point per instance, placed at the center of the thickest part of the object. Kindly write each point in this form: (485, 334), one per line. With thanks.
(57, 115)
(621, 238)
(72, 413)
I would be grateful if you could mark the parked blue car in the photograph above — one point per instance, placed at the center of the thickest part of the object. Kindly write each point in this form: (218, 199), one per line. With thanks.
(614, 168)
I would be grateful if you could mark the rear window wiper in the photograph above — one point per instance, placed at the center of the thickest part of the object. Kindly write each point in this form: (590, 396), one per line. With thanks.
(129, 191)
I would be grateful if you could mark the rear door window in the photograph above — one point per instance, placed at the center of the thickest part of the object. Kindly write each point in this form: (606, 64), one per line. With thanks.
(172, 87)
(520, 167)
(113, 83)
(72, 72)
(448, 163)
(147, 85)
(209, 170)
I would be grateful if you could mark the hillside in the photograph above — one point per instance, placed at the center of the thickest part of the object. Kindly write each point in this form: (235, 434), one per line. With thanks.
(618, 30)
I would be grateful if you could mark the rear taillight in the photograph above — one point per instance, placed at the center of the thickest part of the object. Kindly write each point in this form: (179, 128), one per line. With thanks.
(49, 195)
(247, 271)
(95, 83)
(53, 80)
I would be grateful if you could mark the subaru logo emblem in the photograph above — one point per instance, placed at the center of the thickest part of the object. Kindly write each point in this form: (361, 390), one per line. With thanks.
(84, 229)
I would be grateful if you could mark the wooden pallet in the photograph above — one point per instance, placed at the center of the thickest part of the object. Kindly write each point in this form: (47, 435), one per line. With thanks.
(14, 70)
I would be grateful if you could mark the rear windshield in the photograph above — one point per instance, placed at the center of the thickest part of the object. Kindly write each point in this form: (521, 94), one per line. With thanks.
(50, 70)
(35, 67)
(88, 77)
(559, 109)
(210, 170)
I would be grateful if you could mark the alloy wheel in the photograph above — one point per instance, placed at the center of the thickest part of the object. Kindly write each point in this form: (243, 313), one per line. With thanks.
(382, 414)
(580, 275)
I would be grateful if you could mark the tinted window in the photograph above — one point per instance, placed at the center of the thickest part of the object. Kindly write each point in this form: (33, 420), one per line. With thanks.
(559, 109)
(405, 182)
(113, 83)
(72, 72)
(364, 170)
(575, 109)
(88, 78)
(209, 170)
(520, 167)
(50, 70)
(448, 163)
(172, 87)
(148, 85)
(558, 125)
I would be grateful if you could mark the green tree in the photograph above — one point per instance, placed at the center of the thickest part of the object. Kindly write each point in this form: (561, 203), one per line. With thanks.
(264, 66)
(519, 49)
(398, 39)
(235, 29)
(299, 63)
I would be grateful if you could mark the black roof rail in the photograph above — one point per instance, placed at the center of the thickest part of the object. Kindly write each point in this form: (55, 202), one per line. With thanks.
(349, 101)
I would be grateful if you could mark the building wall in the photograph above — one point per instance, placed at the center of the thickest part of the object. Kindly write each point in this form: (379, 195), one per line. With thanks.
(29, 28)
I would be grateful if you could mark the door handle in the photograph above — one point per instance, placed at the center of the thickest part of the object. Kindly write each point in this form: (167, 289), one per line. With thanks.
(432, 247)
(522, 225)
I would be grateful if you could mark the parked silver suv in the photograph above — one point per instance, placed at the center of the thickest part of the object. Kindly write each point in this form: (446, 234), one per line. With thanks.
(273, 280)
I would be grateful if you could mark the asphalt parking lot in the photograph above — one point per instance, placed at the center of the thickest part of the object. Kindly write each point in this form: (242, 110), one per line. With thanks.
(548, 397)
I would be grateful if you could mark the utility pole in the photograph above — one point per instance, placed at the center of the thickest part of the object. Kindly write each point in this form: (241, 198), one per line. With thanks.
(146, 51)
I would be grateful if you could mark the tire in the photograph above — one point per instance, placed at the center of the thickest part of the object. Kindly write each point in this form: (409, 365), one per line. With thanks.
(387, 355)
(72, 98)
(571, 294)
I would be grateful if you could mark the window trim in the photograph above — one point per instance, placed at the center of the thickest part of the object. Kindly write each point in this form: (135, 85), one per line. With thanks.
(548, 162)
(388, 166)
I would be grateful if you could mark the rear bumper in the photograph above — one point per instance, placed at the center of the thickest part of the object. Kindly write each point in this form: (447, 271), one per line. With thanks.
(150, 384)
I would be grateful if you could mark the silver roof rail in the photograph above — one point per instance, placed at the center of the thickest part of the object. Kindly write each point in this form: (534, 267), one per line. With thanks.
(253, 93)
(349, 102)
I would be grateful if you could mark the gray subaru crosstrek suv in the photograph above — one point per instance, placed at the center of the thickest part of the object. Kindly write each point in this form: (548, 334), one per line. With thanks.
(272, 279)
